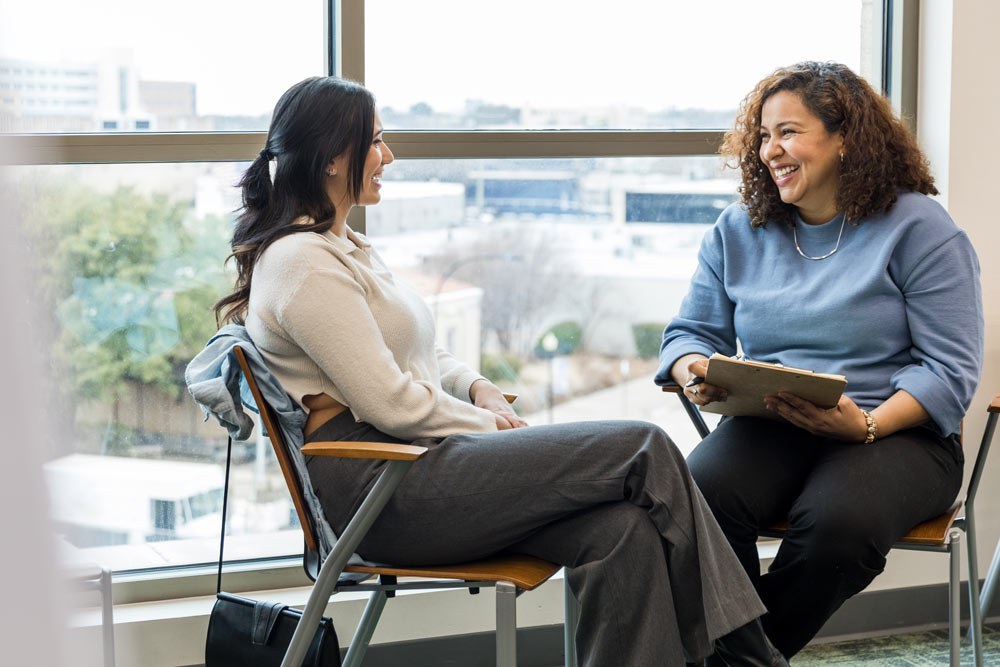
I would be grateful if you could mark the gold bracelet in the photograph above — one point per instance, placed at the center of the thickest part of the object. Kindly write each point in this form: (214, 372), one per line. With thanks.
(872, 427)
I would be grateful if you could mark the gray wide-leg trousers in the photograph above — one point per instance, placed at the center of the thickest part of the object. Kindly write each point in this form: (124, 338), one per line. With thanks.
(613, 501)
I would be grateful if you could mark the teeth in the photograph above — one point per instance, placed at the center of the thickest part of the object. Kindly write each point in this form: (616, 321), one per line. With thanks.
(784, 171)
(377, 178)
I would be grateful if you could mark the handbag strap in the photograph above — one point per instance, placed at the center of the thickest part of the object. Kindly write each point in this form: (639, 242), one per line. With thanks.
(225, 506)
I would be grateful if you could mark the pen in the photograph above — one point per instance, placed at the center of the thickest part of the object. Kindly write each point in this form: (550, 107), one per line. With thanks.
(694, 381)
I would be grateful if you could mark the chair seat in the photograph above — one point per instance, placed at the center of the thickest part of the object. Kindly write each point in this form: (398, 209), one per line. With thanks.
(933, 532)
(525, 572)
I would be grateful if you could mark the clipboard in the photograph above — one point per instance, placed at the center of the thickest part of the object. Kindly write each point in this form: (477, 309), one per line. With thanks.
(748, 382)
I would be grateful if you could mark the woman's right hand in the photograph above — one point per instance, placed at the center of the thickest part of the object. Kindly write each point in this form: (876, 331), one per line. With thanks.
(689, 372)
(486, 395)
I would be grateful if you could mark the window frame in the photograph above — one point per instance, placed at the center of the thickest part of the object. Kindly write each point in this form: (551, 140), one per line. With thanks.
(895, 38)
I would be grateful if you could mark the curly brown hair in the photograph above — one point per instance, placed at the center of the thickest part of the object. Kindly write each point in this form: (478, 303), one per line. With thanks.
(881, 155)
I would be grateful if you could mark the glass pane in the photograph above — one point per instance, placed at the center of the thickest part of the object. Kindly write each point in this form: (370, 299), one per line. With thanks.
(555, 278)
(561, 64)
(128, 261)
(128, 65)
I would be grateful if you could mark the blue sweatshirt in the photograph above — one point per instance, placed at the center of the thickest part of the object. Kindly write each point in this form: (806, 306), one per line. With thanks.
(897, 307)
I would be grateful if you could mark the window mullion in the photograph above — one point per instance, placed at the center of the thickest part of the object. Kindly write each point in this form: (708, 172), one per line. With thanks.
(130, 148)
(902, 33)
(542, 144)
(244, 146)
(350, 41)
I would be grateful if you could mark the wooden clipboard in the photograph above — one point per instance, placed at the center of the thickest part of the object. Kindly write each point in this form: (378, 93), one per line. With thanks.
(748, 382)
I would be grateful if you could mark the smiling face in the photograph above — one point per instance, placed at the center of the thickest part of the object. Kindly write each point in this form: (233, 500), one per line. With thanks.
(801, 155)
(377, 158)
(379, 155)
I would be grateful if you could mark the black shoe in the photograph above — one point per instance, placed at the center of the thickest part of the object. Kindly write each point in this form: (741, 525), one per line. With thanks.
(746, 646)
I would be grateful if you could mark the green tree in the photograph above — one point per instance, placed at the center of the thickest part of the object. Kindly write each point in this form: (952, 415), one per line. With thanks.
(127, 281)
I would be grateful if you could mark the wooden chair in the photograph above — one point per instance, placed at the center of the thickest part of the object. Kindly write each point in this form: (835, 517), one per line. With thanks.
(940, 534)
(510, 575)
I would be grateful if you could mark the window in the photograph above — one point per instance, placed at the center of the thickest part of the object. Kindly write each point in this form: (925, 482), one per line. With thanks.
(560, 64)
(129, 258)
(547, 247)
(554, 175)
(231, 52)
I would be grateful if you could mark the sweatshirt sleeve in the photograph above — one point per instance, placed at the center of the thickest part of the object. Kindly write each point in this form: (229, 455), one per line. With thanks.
(328, 317)
(704, 324)
(944, 312)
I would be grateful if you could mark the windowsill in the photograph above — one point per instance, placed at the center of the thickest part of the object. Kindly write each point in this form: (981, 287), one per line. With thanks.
(170, 630)
(148, 558)
(196, 581)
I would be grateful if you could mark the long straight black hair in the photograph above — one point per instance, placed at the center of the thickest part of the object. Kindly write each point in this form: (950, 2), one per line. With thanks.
(315, 121)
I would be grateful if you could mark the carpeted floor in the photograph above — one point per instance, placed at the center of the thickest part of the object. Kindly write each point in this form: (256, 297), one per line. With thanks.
(918, 648)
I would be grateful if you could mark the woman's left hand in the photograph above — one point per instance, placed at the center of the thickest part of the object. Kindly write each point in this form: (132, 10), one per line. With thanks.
(844, 421)
(488, 396)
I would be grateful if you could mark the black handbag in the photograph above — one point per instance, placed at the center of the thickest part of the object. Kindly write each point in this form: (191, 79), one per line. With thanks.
(254, 633)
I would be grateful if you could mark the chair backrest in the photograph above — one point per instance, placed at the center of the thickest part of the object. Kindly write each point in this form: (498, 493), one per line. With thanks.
(279, 445)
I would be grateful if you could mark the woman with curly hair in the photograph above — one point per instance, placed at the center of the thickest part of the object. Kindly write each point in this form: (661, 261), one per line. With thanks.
(836, 260)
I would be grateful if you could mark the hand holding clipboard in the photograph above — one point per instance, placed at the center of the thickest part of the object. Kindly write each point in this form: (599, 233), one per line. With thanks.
(748, 382)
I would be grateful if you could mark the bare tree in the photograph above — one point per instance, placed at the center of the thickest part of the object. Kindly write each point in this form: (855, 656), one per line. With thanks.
(521, 274)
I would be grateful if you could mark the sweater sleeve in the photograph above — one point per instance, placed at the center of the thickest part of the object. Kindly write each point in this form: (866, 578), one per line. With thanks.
(456, 377)
(704, 324)
(328, 317)
(945, 317)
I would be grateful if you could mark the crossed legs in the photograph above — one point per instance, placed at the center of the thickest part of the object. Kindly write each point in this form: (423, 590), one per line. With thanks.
(612, 501)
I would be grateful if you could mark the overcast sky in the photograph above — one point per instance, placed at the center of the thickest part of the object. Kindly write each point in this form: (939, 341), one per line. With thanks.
(651, 54)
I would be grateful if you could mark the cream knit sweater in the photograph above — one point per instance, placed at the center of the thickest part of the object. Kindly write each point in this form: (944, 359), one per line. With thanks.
(330, 318)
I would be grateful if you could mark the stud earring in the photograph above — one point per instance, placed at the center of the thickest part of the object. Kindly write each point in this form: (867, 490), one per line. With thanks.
(841, 156)
(333, 172)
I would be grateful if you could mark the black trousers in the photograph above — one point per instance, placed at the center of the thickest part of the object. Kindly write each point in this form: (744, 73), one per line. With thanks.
(846, 504)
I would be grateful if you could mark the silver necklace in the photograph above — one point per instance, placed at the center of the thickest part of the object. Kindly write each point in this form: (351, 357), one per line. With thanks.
(795, 237)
